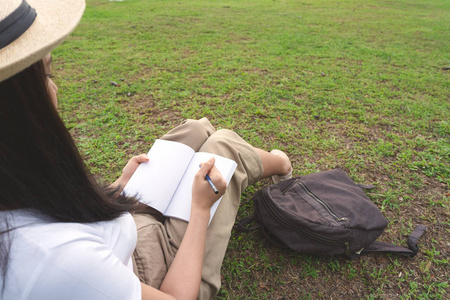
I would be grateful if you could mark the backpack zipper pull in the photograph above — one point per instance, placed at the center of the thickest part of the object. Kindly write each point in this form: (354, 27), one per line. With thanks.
(347, 248)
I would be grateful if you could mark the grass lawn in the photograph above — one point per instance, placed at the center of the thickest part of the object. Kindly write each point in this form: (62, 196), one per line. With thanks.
(359, 85)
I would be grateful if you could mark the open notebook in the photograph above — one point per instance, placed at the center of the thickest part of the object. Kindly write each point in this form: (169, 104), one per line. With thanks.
(165, 182)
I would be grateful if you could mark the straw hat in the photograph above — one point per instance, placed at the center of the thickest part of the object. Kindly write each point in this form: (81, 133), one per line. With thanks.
(52, 21)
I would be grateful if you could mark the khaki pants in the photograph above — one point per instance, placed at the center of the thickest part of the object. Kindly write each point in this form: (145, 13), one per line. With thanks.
(159, 237)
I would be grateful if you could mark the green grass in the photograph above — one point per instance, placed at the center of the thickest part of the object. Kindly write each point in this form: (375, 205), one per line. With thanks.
(358, 85)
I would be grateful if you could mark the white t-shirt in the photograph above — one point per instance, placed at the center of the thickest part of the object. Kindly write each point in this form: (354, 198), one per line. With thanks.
(70, 260)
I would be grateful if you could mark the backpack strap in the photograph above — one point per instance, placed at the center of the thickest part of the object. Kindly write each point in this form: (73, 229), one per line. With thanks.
(366, 186)
(411, 251)
(243, 224)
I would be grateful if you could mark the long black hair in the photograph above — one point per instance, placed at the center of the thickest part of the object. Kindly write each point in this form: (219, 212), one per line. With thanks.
(40, 166)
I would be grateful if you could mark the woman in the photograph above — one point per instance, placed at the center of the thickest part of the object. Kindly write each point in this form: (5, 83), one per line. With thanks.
(63, 236)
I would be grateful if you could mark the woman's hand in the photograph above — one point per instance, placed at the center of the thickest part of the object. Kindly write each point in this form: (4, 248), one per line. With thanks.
(184, 275)
(128, 171)
(203, 196)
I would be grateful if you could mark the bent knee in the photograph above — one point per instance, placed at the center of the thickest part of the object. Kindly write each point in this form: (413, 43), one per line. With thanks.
(225, 133)
(199, 126)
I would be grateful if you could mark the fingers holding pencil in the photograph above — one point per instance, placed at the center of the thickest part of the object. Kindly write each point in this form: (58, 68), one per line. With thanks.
(213, 176)
(209, 185)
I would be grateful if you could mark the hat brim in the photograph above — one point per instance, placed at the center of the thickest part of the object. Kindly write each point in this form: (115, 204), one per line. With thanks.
(55, 20)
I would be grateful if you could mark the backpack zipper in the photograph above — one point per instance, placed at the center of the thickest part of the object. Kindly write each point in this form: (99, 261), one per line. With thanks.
(309, 233)
(315, 197)
(289, 186)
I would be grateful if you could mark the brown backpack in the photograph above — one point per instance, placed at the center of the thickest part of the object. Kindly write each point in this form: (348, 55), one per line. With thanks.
(323, 213)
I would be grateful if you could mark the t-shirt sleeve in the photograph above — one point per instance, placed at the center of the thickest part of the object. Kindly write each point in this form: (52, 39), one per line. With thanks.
(83, 270)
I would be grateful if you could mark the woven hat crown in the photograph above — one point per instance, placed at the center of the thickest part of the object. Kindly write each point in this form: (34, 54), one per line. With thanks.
(54, 21)
(7, 7)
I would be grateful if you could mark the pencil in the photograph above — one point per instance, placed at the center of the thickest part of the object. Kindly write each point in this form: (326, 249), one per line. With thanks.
(211, 184)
